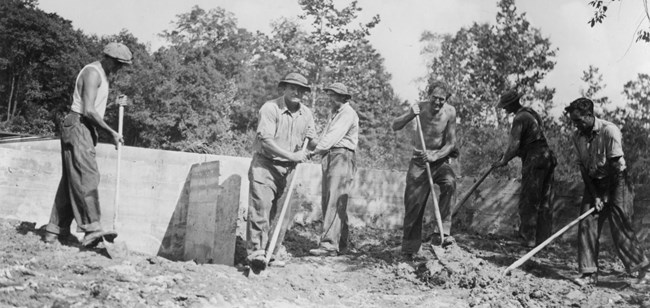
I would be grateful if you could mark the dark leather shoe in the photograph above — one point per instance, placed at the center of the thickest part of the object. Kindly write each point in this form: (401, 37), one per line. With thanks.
(91, 239)
(50, 237)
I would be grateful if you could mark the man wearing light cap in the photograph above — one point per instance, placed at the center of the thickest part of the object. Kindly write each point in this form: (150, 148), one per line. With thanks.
(337, 147)
(439, 129)
(527, 141)
(77, 195)
(284, 124)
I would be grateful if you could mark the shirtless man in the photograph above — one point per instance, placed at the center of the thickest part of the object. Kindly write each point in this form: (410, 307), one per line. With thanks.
(439, 128)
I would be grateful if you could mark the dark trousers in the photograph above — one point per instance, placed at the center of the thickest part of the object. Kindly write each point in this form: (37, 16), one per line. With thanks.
(618, 212)
(77, 196)
(267, 183)
(415, 199)
(536, 203)
(338, 167)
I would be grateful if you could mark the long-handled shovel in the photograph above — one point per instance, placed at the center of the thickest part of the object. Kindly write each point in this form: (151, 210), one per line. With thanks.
(547, 241)
(471, 190)
(285, 205)
(117, 249)
(433, 192)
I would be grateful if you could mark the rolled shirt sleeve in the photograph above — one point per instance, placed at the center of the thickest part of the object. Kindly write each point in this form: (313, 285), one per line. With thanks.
(336, 130)
(267, 123)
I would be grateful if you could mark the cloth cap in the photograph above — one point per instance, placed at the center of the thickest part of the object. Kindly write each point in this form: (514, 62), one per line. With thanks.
(509, 98)
(119, 52)
(297, 79)
(339, 88)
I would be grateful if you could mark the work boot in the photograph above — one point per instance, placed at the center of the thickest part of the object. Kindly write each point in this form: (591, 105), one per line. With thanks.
(643, 278)
(257, 259)
(323, 252)
(91, 239)
(590, 279)
(50, 237)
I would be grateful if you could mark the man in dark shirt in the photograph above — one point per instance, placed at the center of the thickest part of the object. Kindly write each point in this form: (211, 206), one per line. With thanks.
(538, 162)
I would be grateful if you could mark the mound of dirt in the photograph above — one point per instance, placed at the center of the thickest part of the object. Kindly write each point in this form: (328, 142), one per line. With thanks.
(372, 274)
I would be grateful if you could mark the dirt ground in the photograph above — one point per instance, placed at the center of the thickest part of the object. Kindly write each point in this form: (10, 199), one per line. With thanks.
(35, 274)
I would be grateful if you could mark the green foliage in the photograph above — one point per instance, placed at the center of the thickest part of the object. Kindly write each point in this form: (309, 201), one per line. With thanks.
(600, 10)
(482, 62)
(39, 56)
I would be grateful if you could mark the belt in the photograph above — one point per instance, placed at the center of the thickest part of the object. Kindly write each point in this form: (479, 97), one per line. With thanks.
(281, 163)
(341, 148)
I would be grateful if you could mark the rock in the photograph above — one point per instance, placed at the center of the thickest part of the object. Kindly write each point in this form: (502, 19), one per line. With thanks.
(575, 295)
(537, 294)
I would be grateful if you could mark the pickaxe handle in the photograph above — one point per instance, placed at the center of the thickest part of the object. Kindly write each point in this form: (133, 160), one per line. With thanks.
(472, 189)
(547, 241)
(433, 192)
(285, 205)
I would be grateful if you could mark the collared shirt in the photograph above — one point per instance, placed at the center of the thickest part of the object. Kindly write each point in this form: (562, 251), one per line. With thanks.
(603, 142)
(342, 131)
(287, 129)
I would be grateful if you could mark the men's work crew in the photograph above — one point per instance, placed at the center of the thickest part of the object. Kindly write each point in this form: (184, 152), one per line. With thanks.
(601, 160)
(439, 129)
(284, 124)
(538, 162)
(337, 147)
(77, 196)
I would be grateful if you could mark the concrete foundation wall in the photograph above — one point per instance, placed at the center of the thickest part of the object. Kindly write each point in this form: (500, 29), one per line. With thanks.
(183, 205)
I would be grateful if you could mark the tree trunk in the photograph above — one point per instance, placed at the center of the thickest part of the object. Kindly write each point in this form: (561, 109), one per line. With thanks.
(11, 95)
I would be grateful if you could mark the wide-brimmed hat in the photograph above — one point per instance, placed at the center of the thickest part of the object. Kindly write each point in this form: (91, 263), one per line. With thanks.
(119, 52)
(339, 88)
(509, 98)
(297, 79)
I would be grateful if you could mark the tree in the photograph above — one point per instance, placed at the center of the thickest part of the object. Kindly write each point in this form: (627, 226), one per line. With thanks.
(482, 62)
(600, 10)
(593, 78)
(38, 59)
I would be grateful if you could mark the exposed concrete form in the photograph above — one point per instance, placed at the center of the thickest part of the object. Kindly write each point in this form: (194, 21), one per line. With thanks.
(190, 206)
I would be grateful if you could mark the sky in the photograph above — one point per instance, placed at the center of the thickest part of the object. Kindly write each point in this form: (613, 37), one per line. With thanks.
(609, 46)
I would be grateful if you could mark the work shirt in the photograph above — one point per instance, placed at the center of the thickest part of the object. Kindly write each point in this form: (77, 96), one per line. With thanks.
(602, 143)
(287, 129)
(102, 92)
(342, 131)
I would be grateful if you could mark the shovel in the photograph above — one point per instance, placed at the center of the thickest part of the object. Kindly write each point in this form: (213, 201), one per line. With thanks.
(285, 205)
(117, 249)
(433, 192)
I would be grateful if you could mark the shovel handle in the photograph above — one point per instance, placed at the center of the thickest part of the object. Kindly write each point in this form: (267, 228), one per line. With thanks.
(285, 205)
(433, 192)
(547, 241)
(472, 189)
(116, 204)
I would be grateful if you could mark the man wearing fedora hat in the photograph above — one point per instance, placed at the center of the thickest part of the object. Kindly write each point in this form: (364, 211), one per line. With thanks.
(438, 121)
(538, 162)
(284, 123)
(337, 147)
(77, 196)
